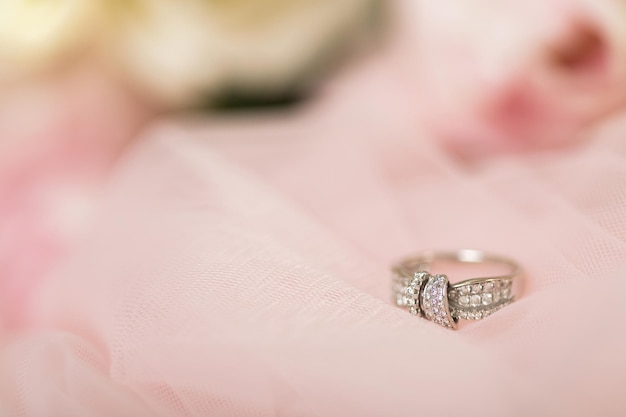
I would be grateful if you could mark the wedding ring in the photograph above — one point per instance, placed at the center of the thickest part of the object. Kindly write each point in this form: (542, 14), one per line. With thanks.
(433, 297)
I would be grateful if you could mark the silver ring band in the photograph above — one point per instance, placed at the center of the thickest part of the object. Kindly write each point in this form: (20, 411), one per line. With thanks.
(436, 299)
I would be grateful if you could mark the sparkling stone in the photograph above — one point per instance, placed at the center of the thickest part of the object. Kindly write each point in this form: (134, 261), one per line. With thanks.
(476, 288)
(496, 296)
(506, 293)
(475, 300)
(413, 310)
(453, 294)
(400, 300)
(464, 300)
(487, 299)
(464, 290)
(434, 304)
(488, 286)
(410, 301)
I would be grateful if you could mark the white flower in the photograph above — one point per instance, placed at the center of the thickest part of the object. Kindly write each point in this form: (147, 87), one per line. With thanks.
(183, 49)
(179, 50)
(32, 33)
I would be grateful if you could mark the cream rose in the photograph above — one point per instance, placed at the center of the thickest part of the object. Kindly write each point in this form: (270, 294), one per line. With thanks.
(182, 50)
(179, 51)
(36, 33)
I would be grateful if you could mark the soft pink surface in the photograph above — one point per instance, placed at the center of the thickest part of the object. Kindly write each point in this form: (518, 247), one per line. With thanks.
(58, 141)
(483, 77)
(241, 269)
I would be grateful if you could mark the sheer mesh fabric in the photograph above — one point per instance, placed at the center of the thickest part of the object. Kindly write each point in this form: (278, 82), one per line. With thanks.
(242, 271)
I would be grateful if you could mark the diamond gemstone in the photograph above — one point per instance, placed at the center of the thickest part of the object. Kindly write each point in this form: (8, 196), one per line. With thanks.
(400, 300)
(506, 293)
(434, 301)
(487, 299)
(407, 291)
(475, 300)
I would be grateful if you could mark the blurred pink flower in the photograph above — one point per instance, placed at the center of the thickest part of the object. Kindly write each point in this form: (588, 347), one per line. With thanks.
(496, 75)
(59, 139)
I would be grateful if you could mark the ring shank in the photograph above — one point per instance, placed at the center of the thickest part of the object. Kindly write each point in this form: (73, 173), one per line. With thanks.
(424, 261)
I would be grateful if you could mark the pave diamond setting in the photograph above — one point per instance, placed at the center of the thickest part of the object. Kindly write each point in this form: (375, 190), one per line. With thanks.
(434, 298)
(434, 301)
(408, 292)
(480, 300)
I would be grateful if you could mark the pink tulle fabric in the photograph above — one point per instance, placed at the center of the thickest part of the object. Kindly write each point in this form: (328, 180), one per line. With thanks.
(59, 138)
(240, 268)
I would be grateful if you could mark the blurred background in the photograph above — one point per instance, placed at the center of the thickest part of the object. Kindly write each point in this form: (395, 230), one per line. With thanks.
(80, 80)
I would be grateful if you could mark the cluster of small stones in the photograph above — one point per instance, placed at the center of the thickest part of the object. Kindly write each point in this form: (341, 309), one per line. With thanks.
(477, 301)
(434, 301)
(478, 314)
(399, 286)
(408, 292)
